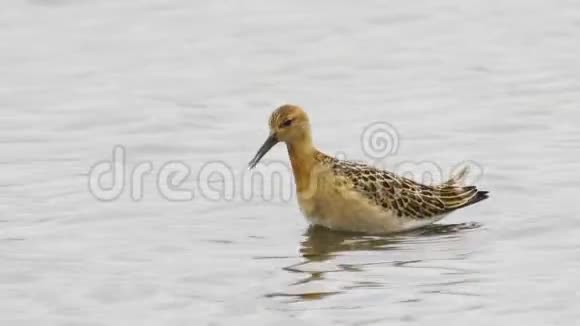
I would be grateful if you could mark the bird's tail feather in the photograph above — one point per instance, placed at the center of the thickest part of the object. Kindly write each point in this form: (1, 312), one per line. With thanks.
(455, 195)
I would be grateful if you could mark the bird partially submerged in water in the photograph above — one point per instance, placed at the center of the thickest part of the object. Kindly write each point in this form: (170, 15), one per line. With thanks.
(350, 196)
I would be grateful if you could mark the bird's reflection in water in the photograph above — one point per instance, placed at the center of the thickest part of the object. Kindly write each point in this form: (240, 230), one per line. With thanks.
(321, 245)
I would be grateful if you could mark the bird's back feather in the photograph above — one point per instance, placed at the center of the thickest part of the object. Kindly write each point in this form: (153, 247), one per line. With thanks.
(403, 196)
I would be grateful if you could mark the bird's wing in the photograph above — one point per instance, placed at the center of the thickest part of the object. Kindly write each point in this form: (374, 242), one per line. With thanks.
(404, 196)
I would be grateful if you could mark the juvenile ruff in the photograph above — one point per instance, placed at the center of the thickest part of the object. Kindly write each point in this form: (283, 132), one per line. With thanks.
(349, 196)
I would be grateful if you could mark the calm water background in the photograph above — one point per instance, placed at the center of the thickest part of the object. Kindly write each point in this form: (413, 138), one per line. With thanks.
(494, 82)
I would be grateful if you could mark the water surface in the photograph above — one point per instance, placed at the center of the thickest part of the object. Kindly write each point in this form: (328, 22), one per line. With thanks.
(494, 83)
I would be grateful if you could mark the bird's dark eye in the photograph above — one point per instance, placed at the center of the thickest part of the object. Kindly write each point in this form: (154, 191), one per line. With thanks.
(286, 123)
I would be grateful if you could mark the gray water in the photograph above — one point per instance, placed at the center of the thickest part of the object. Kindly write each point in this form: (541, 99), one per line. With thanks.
(495, 83)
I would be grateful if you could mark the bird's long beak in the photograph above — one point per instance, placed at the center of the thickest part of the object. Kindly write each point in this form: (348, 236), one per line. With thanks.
(268, 144)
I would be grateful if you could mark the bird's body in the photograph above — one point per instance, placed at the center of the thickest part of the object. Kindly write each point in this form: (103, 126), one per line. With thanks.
(350, 196)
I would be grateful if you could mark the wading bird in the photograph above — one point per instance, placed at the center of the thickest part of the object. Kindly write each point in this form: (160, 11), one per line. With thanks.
(349, 196)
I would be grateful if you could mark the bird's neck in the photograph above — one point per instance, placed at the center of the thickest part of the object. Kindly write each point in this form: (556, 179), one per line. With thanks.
(303, 159)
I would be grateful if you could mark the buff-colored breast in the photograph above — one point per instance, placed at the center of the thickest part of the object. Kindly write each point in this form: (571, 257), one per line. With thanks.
(330, 201)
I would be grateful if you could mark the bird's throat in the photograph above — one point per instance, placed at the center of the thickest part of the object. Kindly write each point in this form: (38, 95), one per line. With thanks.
(302, 157)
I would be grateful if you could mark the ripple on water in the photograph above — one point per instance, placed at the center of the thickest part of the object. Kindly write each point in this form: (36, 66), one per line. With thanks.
(325, 254)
